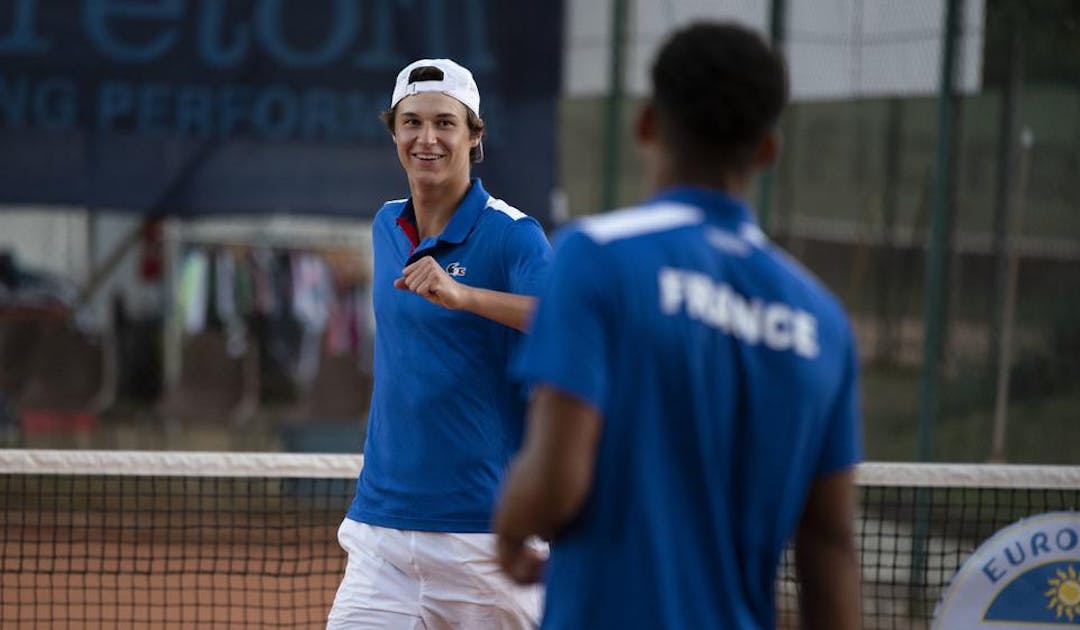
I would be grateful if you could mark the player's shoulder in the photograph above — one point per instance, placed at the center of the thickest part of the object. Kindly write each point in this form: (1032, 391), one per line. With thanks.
(385, 221)
(391, 209)
(503, 211)
(635, 222)
(500, 215)
(509, 225)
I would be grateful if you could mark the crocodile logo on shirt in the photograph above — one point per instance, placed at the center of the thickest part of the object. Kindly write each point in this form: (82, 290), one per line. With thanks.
(455, 269)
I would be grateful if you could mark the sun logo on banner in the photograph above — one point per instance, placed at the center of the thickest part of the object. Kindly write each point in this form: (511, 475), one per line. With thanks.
(1024, 577)
(1064, 593)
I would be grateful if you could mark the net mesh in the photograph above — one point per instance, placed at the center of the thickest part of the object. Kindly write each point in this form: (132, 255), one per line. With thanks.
(169, 540)
(917, 525)
(132, 540)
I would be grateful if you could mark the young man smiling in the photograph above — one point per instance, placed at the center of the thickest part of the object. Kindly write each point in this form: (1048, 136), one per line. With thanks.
(455, 274)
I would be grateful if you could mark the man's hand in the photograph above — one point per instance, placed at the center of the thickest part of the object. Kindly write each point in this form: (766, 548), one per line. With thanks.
(521, 562)
(548, 480)
(427, 279)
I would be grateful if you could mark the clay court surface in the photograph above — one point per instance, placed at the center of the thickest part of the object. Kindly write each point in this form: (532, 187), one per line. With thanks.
(206, 578)
(126, 558)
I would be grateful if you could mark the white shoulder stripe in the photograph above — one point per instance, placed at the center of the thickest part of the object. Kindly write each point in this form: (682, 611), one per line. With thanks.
(505, 208)
(640, 220)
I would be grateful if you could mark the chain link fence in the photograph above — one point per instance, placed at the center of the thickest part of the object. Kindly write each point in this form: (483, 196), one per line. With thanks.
(855, 194)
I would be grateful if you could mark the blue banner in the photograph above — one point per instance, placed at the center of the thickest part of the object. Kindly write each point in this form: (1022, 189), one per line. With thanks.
(192, 107)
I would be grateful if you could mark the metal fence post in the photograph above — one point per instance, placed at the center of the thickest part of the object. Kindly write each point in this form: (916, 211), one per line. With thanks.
(777, 23)
(934, 294)
(609, 193)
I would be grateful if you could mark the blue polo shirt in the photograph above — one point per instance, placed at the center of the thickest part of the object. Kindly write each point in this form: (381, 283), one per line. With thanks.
(726, 379)
(445, 417)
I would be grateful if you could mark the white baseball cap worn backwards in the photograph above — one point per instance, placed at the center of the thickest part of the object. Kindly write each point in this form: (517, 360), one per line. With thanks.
(457, 82)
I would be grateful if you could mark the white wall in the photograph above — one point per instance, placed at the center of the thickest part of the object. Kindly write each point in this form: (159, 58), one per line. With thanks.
(835, 48)
(70, 243)
(53, 240)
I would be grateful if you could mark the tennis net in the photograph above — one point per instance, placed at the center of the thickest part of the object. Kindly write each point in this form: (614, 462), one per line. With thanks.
(92, 539)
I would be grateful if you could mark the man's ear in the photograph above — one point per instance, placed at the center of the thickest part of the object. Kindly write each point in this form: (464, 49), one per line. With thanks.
(768, 150)
(645, 126)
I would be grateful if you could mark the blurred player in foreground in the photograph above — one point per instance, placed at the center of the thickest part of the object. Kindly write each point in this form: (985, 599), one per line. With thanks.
(695, 390)
(455, 274)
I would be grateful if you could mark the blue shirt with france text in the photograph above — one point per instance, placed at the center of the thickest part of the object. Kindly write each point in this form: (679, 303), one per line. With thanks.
(726, 379)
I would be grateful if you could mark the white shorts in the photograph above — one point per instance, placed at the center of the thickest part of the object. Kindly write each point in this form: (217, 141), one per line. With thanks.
(402, 580)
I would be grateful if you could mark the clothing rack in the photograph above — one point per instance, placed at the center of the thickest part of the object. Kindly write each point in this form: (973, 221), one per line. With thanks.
(282, 232)
(302, 234)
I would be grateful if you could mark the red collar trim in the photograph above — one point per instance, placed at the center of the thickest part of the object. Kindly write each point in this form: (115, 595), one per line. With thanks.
(410, 230)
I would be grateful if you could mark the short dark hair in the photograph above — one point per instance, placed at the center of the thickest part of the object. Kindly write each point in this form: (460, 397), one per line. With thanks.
(718, 89)
(431, 73)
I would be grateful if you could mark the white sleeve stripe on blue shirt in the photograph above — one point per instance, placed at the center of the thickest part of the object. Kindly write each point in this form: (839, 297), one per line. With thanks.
(753, 234)
(640, 220)
(505, 208)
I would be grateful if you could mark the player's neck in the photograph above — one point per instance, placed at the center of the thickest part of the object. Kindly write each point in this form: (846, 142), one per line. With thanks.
(435, 204)
(669, 175)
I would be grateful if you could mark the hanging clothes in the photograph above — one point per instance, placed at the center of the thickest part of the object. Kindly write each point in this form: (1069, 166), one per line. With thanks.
(228, 313)
(263, 289)
(312, 290)
(192, 298)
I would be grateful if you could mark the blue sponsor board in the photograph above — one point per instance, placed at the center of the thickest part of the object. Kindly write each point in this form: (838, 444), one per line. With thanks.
(248, 106)
(1026, 576)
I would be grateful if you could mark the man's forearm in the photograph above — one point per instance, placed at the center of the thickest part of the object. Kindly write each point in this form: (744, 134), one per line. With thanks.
(527, 507)
(825, 556)
(552, 474)
(508, 309)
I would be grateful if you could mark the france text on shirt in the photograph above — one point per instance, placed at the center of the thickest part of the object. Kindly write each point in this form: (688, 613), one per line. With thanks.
(753, 321)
